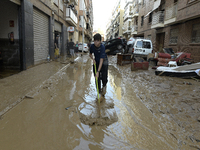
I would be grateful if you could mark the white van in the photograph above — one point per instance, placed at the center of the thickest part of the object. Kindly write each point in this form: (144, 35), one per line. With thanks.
(142, 47)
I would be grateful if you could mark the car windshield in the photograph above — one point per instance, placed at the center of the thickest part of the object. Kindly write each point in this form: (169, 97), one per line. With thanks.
(143, 44)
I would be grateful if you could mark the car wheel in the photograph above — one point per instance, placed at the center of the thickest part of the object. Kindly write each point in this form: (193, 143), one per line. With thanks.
(119, 46)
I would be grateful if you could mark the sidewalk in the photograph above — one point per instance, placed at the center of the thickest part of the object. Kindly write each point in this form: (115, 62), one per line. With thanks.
(14, 88)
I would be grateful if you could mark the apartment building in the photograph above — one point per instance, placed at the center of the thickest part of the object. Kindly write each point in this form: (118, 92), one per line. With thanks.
(127, 19)
(29, 27)
(85, 23)
(114, 27)
(171, 24)
(168, 23)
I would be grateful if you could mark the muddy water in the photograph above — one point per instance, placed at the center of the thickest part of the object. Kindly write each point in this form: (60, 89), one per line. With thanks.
(140, 111)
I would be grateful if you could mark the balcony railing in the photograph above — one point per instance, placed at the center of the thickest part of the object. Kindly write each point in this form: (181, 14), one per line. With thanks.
(134, 28)
(135, 11)
(158, 19)
(170, 15)
(71, 17)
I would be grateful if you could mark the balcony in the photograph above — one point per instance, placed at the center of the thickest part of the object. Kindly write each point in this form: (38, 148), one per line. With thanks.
(127, 17)
(134, 30)
(158, 20)
(170, 15)
(71, 18)
(135, 12)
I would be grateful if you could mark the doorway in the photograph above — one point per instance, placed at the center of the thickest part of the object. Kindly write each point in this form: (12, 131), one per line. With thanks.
(160, 41)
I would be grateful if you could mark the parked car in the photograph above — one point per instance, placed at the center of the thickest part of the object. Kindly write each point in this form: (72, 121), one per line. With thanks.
(114, 46)
(142, 48)
(85, 47)
(130, 43)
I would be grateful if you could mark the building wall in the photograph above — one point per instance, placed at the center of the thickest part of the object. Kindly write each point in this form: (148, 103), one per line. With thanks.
(188, 10)
(121, 22)
(187, 15)
(10, 52)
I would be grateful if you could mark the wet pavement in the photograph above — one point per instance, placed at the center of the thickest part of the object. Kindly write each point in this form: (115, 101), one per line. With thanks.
(58, 110)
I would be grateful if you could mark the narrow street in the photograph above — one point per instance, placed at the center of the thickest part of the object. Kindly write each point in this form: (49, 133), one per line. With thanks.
(139, 111)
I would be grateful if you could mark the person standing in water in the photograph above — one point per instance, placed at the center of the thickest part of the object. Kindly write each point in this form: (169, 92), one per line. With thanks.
(101, 61)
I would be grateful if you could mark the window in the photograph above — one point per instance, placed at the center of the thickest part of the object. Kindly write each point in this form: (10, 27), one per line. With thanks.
(142, 21)
(173, 36)
(146, 45)
(150, 17)
(143, 44)
(196, 33)
(139, 44)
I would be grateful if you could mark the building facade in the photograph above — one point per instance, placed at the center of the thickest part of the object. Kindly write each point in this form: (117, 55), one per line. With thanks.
(114, 26)
(29, 28)
(168, 23)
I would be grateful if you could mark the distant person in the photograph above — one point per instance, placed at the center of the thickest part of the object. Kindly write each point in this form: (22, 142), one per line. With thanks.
(76, 48)
(101, 61)
(71, 48)
(56, 45)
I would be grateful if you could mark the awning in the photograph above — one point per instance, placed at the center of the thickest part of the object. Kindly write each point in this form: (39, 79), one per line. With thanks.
(155, 6)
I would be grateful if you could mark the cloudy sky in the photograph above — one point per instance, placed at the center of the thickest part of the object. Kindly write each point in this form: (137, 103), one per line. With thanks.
(102, 10)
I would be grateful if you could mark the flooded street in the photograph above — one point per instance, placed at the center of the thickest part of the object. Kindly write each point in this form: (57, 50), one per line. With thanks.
(139, 111)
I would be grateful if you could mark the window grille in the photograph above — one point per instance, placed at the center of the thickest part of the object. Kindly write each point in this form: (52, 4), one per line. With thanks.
(173, 36)
(196, 33)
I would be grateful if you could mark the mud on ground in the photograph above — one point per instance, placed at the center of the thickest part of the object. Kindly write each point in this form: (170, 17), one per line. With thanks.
(175, 101)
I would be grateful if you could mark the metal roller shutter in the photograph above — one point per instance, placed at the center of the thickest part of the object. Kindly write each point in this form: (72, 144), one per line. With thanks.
(41, 36)
(57, 26)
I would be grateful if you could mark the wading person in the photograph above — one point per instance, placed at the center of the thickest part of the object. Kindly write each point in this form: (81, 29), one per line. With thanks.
(71, 48)
(101, 61)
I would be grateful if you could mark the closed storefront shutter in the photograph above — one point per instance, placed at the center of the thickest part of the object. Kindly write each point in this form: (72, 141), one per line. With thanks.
(57, 26)
(41, 36)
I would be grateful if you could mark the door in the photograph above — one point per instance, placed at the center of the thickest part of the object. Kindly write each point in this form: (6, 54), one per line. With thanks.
(160, 39)
(40, 36)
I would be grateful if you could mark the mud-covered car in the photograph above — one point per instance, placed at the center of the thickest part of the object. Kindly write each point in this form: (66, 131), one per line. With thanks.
(115, 46)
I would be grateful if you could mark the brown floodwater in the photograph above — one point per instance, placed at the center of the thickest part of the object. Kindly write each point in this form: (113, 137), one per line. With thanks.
(139, 111)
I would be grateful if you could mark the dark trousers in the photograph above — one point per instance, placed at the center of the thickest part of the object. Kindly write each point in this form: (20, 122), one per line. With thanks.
(103, 74)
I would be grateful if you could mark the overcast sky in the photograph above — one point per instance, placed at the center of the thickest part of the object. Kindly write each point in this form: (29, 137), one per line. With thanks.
(102, 10)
